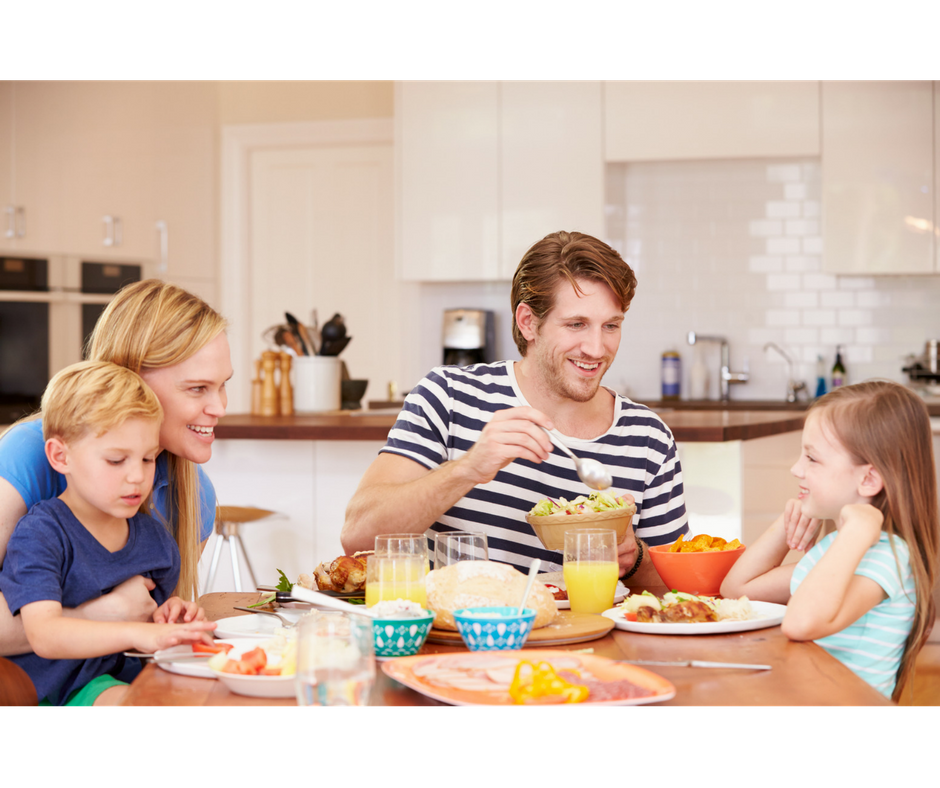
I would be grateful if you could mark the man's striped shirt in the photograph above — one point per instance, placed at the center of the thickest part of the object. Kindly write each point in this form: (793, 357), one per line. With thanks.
(443, 417)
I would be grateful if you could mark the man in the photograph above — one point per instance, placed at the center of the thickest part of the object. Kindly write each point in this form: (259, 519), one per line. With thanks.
(468, 451)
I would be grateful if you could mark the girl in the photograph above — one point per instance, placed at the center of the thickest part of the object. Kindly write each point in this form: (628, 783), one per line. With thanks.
(863, 592)
(177, 343)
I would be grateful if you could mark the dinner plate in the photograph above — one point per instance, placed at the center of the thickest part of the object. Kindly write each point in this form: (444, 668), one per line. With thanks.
(766, 614)
(557, 579)
(482, 678)
(255, 625)
(198, 668)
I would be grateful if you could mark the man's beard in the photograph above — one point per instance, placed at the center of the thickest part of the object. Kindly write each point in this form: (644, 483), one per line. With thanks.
(553, 375)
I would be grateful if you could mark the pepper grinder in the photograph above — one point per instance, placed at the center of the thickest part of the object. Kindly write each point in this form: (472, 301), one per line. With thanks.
(269, 398)
(256, 389)
(287, 392)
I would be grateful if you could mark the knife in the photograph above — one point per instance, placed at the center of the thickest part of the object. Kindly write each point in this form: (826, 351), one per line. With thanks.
(169, 657)
(696, 663)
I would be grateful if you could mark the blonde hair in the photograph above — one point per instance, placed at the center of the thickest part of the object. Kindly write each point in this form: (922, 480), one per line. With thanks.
(886, 425)
(153, 325)
(95, 396)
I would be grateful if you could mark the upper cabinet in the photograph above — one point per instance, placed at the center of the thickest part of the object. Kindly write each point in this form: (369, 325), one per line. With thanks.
(486, 169)
(647, 121)
(122, 171)
(878, 164)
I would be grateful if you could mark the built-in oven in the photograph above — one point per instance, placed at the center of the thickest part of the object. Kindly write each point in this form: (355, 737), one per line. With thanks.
(48, 307)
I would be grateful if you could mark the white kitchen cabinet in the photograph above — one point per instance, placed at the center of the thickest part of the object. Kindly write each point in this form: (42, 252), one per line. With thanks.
(143, 153)
(551, 164)
(486, 169)
(657, 121)
(936, 175)
(447, 180)
(878, 165)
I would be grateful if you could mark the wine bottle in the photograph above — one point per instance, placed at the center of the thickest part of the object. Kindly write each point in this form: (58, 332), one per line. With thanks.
(838, 369)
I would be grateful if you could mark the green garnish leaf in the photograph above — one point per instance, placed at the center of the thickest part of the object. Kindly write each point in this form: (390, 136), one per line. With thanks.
(266, 601)
(284, 584)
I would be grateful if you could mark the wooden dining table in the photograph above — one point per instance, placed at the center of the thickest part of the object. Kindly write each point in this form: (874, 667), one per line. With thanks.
(801, 674)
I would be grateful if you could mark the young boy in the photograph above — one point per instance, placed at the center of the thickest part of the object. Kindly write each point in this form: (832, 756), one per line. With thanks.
(101, 424)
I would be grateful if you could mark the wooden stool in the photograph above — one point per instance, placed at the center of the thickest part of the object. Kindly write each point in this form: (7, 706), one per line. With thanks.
(227, 521)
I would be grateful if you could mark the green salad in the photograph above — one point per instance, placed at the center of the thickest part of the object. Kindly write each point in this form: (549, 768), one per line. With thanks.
(584, 504)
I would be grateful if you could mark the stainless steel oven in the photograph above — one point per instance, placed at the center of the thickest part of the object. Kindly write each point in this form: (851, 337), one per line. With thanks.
(48, 307)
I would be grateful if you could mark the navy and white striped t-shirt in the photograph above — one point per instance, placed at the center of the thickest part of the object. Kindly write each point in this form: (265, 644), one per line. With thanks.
(443, 417)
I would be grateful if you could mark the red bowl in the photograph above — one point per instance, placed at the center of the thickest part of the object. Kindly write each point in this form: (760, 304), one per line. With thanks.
(694, 573)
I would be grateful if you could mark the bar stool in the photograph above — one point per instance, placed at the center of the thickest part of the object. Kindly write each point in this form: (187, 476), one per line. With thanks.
(227, 522)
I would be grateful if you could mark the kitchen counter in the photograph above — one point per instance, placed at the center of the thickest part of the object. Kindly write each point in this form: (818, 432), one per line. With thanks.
(686, 425)
(933, 405)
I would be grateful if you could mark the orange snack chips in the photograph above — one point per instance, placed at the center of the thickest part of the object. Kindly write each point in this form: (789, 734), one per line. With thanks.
(703, 543)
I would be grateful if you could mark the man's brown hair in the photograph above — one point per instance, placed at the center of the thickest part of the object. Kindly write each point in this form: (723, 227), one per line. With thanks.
(566, 256)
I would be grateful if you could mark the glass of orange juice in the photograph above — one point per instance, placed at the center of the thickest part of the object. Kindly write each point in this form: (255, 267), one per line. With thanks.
(591, 569)
(394, 576)
(403, 544)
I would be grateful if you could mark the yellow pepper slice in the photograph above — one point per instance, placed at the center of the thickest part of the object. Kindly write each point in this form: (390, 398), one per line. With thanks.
(542, 681)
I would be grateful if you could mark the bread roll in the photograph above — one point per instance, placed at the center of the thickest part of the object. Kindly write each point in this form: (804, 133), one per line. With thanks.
(480, 583)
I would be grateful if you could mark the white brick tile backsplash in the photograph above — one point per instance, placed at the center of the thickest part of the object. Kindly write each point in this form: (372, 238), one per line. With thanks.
(734, 248)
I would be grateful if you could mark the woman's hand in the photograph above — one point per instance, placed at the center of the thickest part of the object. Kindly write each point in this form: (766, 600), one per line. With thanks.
(176, 609)
(800, 529)
(129, 601)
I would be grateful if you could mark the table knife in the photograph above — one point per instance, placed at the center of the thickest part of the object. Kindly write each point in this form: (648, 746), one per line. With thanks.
(696, 663)
(169, 657)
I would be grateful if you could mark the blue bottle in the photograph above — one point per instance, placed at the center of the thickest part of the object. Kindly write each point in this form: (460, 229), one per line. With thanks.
(820, 376)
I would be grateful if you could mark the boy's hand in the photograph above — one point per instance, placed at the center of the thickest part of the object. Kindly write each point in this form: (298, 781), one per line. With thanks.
(176, 609)
(863, 519)
(154, 637)
(799, 528)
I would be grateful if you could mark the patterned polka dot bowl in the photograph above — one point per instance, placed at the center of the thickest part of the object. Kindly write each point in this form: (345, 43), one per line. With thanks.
(494, 628)
(401, 636)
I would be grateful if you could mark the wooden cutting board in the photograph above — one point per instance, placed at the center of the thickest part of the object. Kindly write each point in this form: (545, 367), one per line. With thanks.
(567, 628)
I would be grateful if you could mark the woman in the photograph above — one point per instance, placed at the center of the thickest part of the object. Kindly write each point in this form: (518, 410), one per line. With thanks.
(177, 343)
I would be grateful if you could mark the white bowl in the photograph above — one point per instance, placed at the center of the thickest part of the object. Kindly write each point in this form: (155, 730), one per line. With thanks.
(254, 686)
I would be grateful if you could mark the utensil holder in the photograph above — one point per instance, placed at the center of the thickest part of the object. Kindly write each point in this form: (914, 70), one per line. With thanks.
(316, 384)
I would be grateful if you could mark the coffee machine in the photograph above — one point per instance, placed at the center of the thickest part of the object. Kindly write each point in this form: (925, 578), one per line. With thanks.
(469, 337)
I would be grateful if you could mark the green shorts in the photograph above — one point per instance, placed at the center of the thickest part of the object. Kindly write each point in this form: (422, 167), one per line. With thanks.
(87, 695)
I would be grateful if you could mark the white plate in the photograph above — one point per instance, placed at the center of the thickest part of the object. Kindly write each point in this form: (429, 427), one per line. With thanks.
(198, 668)
(767, 614)
(255, 625)
(556, 579)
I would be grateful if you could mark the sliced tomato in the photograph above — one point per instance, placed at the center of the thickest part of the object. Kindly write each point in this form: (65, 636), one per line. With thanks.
(253, 661)
(630, 616)
(211, 648)
(270, 672)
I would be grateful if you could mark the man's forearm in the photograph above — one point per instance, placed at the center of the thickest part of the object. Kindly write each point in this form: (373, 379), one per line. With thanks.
(402, 507)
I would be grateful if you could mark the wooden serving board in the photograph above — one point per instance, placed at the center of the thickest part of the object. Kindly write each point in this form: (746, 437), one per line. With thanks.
(567, 628)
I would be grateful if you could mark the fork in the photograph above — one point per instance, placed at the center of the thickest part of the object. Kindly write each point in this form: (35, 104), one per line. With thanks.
(287, 623)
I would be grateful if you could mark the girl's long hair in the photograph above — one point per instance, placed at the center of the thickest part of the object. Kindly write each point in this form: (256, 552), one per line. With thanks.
(885, 424)
(153, 325)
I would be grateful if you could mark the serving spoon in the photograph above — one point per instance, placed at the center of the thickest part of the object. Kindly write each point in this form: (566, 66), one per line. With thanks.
(325, 600)
(533, 571)
(590, 471)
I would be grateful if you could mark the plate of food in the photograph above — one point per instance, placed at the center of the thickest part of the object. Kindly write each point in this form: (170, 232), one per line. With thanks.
(191, 659)
(259, 669)
(555, 582)
(678, 613)
(257, 625)
(499, 678)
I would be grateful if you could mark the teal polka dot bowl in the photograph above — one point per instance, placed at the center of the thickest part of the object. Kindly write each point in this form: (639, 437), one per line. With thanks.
(400, 637)
(494, 628)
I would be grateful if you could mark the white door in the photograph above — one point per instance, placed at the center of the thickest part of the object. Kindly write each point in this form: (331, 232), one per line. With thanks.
(321, 237)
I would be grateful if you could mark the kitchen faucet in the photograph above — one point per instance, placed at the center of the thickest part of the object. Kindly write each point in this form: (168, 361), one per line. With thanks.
(793, 386)
(725, 377)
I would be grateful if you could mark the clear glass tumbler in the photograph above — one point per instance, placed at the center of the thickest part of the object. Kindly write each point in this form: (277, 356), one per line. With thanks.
(335, 660)
(394, 576)
(591, 569)
(454, 546)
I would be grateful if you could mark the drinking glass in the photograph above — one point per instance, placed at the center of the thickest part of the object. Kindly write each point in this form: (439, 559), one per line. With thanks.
(335, 660)
(591, 569)
(454, 546)
(396, 576)
(403, 544)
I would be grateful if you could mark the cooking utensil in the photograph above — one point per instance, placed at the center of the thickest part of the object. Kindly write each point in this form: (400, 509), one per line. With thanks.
(285, 338)
(333, 347)
(533, 571)
(169, 657)
(281, 597)
(591, 472)
(295, 327)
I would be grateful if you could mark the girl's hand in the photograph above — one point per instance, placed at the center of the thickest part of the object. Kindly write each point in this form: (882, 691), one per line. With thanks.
(863, 519)
(799, 528)
(176, 609)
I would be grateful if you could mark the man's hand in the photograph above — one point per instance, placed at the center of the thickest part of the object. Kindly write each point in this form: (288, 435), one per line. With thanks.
(129, 601)
(512, 433)
(627, 552)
